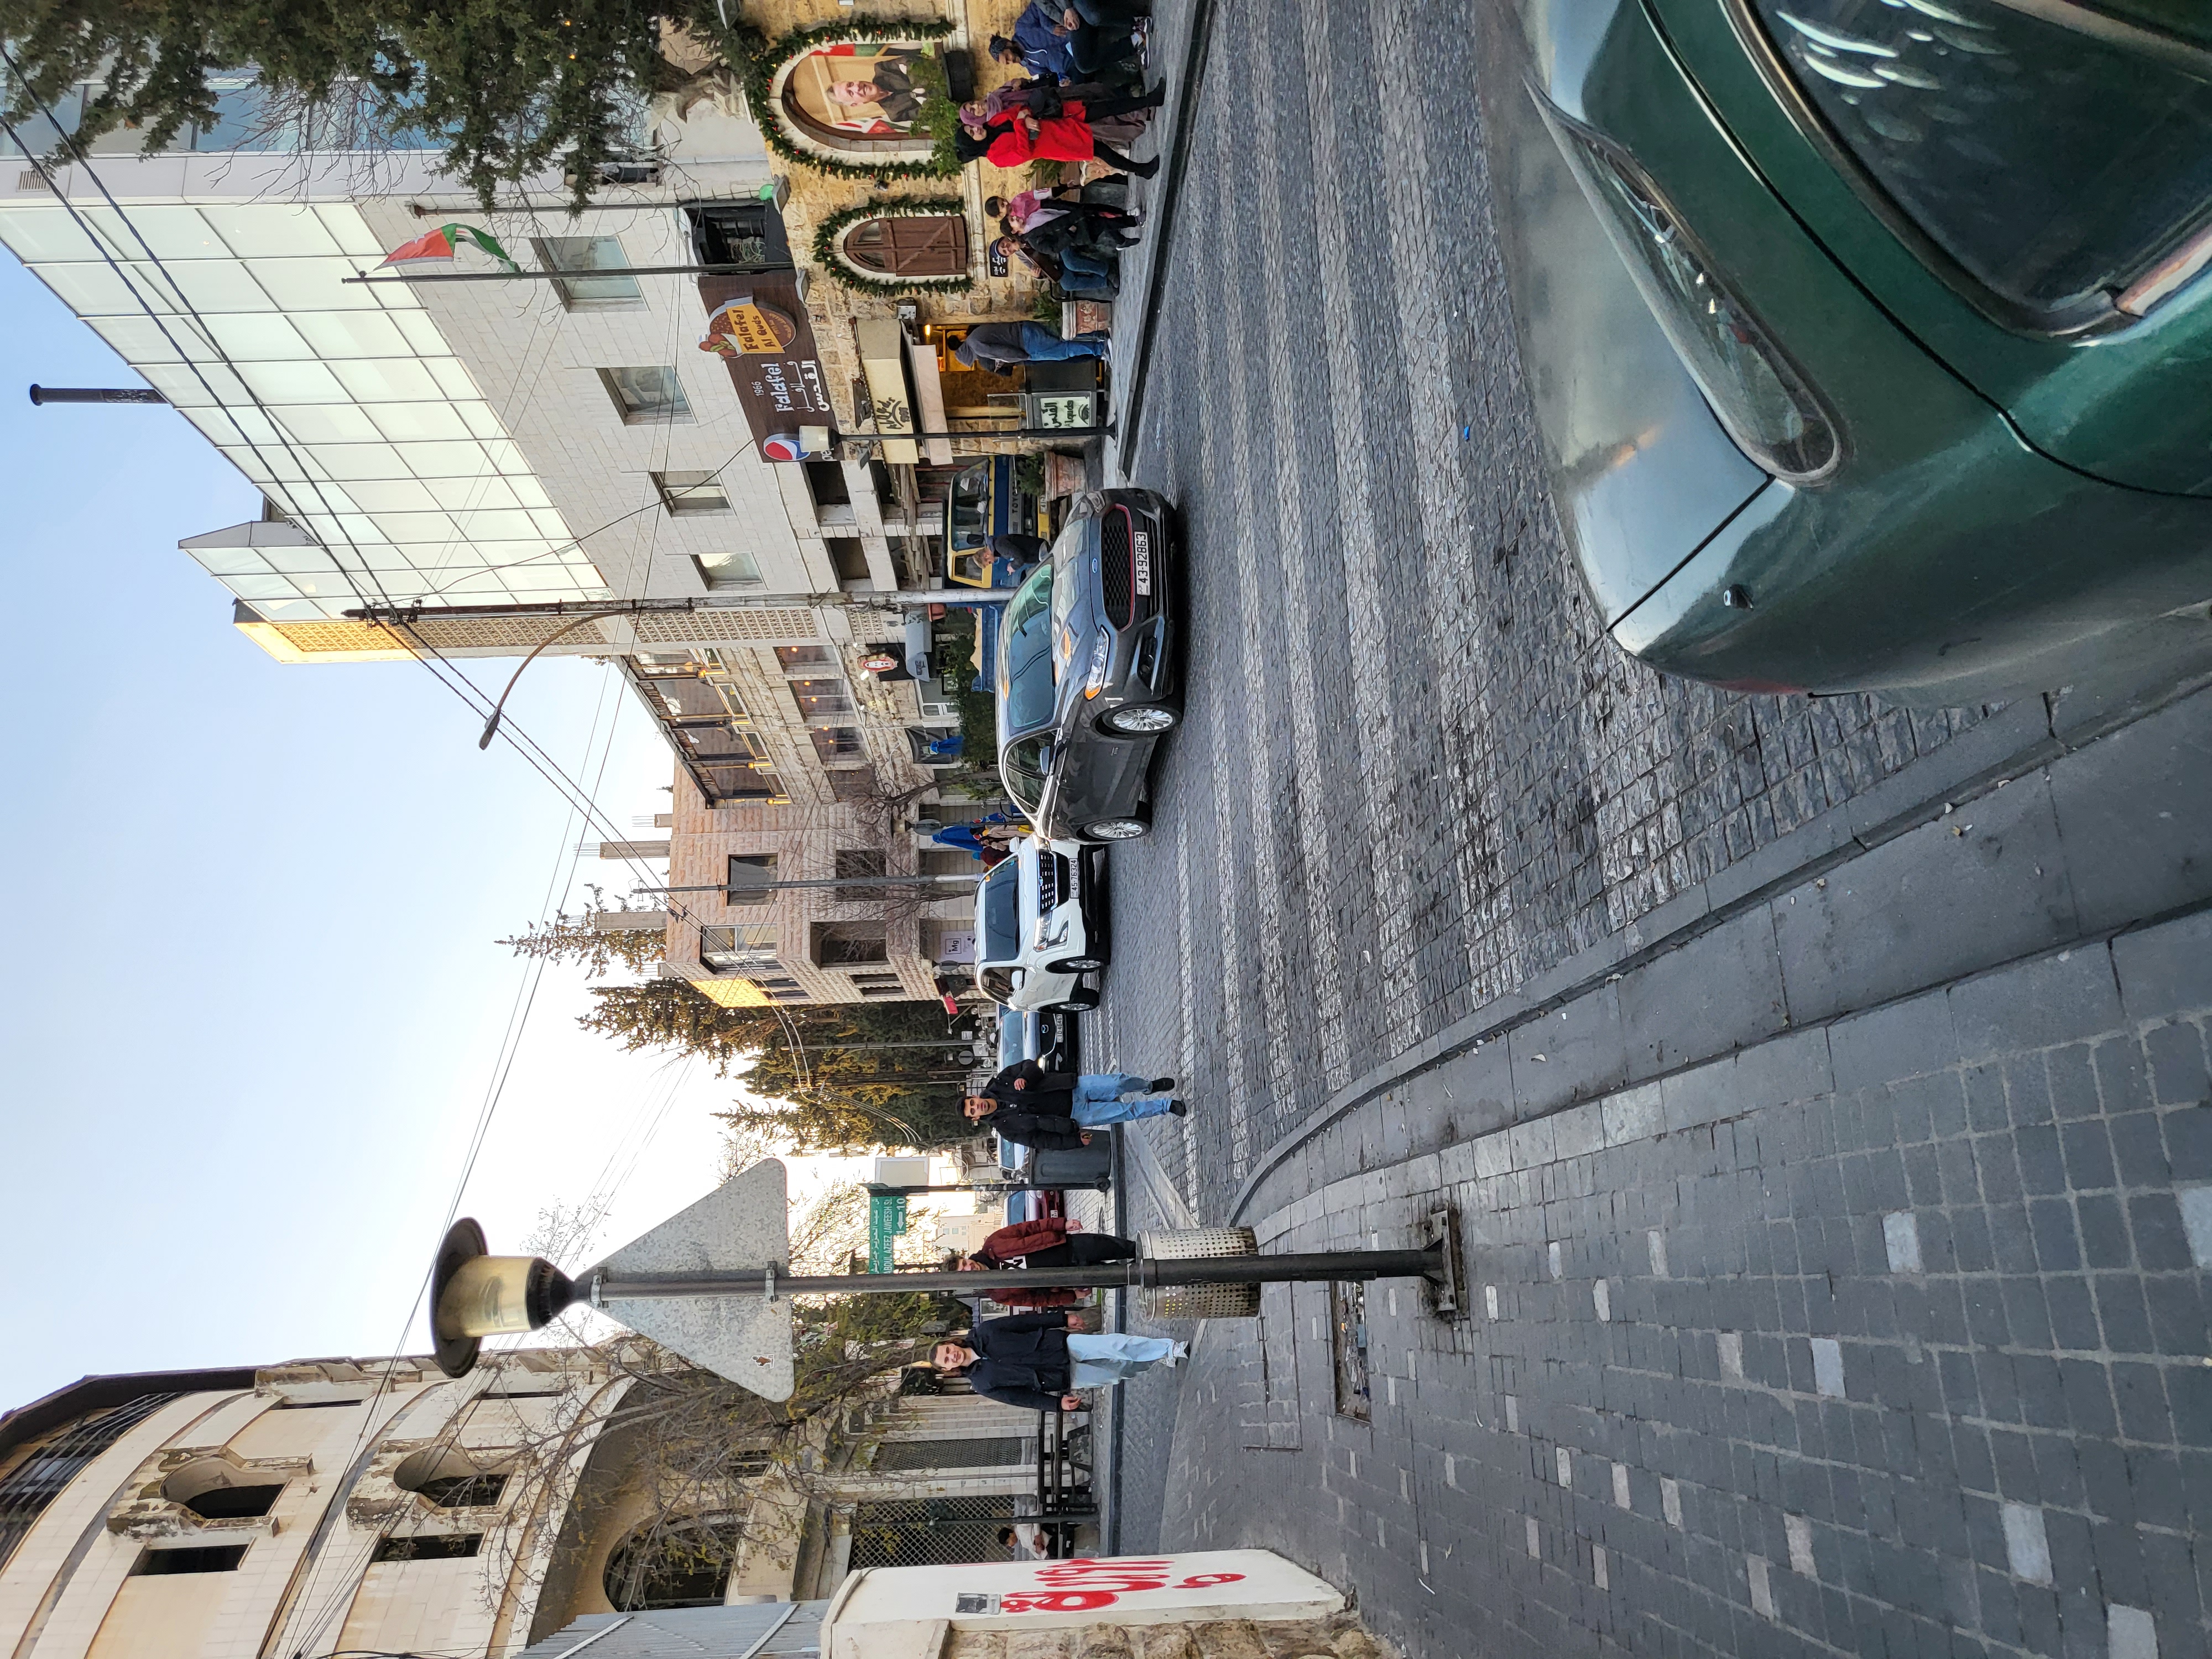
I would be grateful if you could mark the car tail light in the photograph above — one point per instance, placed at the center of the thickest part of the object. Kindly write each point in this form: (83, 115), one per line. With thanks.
(1755, 391)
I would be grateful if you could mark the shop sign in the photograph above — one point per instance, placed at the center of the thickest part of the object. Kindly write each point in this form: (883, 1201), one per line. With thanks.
(882, 360)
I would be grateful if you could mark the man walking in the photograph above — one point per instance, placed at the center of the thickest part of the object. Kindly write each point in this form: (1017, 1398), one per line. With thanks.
(1032, 1360)
(1056, 1110)
(1049, 1242)
(998, 346)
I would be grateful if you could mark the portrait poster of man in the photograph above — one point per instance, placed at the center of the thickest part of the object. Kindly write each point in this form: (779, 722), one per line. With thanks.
(865, 90)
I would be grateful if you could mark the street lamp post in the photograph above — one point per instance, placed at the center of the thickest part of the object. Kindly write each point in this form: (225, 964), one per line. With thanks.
(710, 1282)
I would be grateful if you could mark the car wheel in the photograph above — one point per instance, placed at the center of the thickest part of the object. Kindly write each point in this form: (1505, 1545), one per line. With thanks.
(1076, 964)
(1079, 1002)
(1116, 829)
(1147, 719)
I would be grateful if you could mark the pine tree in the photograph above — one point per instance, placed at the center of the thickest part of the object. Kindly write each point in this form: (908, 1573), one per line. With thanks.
(821, 1097)
(505, 87)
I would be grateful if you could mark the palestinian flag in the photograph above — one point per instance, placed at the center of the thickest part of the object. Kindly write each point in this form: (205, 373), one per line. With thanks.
(438, 246)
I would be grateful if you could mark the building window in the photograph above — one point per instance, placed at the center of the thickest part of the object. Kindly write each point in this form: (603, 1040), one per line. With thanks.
(463, 1491)
(751, 874)
(46, 1471)
(850, 943)
(834, 742)
(595, 254)
(727, 569)
(847, 557)
(684, 1565)
(646, 395)
(206, 1558)
(235, 1503)
(726, 949)
(826, 481)
(685, 493)
(853, 783)
(819, 699)
(804, 657)
(910, 244)
(430, 1546)
(738, 233)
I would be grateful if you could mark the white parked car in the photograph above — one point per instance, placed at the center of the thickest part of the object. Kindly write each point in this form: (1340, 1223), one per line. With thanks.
(1040, 927)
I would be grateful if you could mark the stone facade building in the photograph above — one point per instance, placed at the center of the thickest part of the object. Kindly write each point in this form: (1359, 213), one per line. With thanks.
(364, 1506)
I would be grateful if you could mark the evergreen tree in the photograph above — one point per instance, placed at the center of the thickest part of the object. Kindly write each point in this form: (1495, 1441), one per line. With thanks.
(815, 1093)
(506, 88)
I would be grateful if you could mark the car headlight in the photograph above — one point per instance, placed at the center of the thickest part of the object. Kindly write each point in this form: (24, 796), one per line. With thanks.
(1755, 391)
(1102, 658)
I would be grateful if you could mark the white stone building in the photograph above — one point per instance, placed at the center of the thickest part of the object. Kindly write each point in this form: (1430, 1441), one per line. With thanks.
(520, 464)
(331, 1506)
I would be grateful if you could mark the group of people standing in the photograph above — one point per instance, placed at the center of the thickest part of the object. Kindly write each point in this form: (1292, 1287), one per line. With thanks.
(1031, 1357)
(1081, 98)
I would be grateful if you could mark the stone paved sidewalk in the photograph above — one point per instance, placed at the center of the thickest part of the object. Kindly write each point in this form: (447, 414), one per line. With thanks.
(1885, 1337)
(1838, 1273)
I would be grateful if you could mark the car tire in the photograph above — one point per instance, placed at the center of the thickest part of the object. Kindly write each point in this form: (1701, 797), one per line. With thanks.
(1084, 964)
(1116, 829)
(1147, 719)
(1077, 1002)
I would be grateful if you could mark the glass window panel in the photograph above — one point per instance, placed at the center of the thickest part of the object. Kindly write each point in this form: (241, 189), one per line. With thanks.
(261, 588)
(301, 561)
(728, 569)
(420, 331)
(479, 420)
(231, 561)
(644, 395)
(416, 526)
(528, 492)
(482, 582)
(511, 525)
(263, 338)
(466, 494)
(549, 523)
(392, 296)
(506, 457)
(272, 230)
(312, 284)
(91, 290)
(289, 609)
(352, 334)
(188, 387)
(332, 583)
(330, 423)
(293, 383)
(589, 253)
(215, 285)
(454, 378)
(388, 379)
(136, 339)
(252, 427)
(277, 470)
(350, 231)
(173, 232)
(452, 460)
(350, 461)
(35, 234)
(404, 420)
(395, 497)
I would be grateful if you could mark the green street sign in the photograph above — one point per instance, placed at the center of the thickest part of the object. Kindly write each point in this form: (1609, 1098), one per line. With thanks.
(886, 1221)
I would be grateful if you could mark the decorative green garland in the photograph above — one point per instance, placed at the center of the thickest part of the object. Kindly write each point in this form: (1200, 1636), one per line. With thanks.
(744, 46)
(899, 207)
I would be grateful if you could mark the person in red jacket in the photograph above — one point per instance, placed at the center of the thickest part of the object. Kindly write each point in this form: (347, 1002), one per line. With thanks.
(1014, 137)
(1051, 1242)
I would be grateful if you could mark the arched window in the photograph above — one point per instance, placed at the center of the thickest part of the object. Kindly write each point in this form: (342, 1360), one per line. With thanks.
(861, 100)
(217, 1489)
(678, 1563)
(448, 1478)
(911, 245)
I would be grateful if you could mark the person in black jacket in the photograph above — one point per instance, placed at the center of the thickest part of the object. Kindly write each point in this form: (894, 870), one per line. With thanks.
(1052, 1110)
(1030, 1360)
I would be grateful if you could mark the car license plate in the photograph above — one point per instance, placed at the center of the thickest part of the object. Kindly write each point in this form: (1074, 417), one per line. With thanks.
(1144, 561)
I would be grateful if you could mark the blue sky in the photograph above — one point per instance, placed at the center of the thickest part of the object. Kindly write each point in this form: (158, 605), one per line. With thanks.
(252, 998)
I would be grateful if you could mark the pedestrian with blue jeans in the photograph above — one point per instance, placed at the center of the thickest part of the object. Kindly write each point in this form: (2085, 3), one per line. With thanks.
(1033, 1360)
(998, 346)
(1099, 1098)
(1057, 1111)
